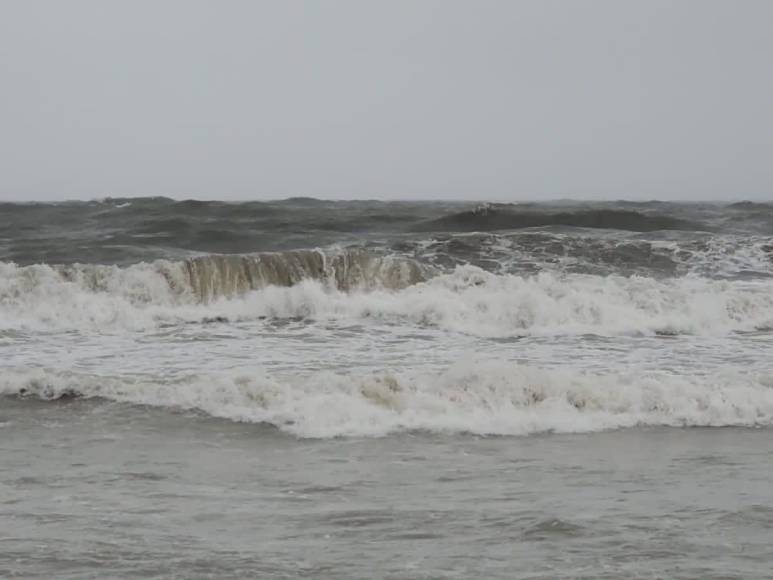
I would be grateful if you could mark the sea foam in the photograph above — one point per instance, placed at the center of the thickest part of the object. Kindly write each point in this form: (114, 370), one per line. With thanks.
(472, 396)
(467, 299)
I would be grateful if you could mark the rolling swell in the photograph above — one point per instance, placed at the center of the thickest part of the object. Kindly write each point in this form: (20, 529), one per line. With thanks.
(527, 252)
(503, 217)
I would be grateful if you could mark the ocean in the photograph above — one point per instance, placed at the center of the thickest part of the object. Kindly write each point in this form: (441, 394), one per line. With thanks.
(403, 390)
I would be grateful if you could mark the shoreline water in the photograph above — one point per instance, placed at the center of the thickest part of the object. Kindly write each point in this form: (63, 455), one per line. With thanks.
(95, 489)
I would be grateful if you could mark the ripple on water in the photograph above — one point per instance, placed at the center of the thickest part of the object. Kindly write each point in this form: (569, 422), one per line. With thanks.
(551, 528)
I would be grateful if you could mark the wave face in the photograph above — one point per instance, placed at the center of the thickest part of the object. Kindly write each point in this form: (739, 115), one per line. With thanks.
(218, 276)
(479, 398)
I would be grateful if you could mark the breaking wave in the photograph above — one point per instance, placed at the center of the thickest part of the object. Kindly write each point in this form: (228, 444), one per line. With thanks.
(484, 398)
(356, 285)
(93, 295)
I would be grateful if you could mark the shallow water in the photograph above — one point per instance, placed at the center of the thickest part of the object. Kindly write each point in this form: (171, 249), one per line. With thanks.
(96, 490)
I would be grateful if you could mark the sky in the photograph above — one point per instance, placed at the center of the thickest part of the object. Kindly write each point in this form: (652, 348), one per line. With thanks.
(410, 99)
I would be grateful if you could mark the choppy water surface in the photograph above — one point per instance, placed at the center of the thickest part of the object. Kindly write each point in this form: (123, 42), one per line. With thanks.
(403, 390)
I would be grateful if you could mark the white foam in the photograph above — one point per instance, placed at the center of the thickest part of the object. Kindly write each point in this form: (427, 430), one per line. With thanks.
(39, 297)
(479, 397)
(468, 300)
(726, 256)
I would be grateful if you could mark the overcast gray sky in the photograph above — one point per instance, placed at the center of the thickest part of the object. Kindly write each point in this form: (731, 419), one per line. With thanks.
(401, 99)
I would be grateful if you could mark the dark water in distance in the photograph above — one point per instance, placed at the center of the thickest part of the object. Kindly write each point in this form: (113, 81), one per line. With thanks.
(364, 389)
(128, 230)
